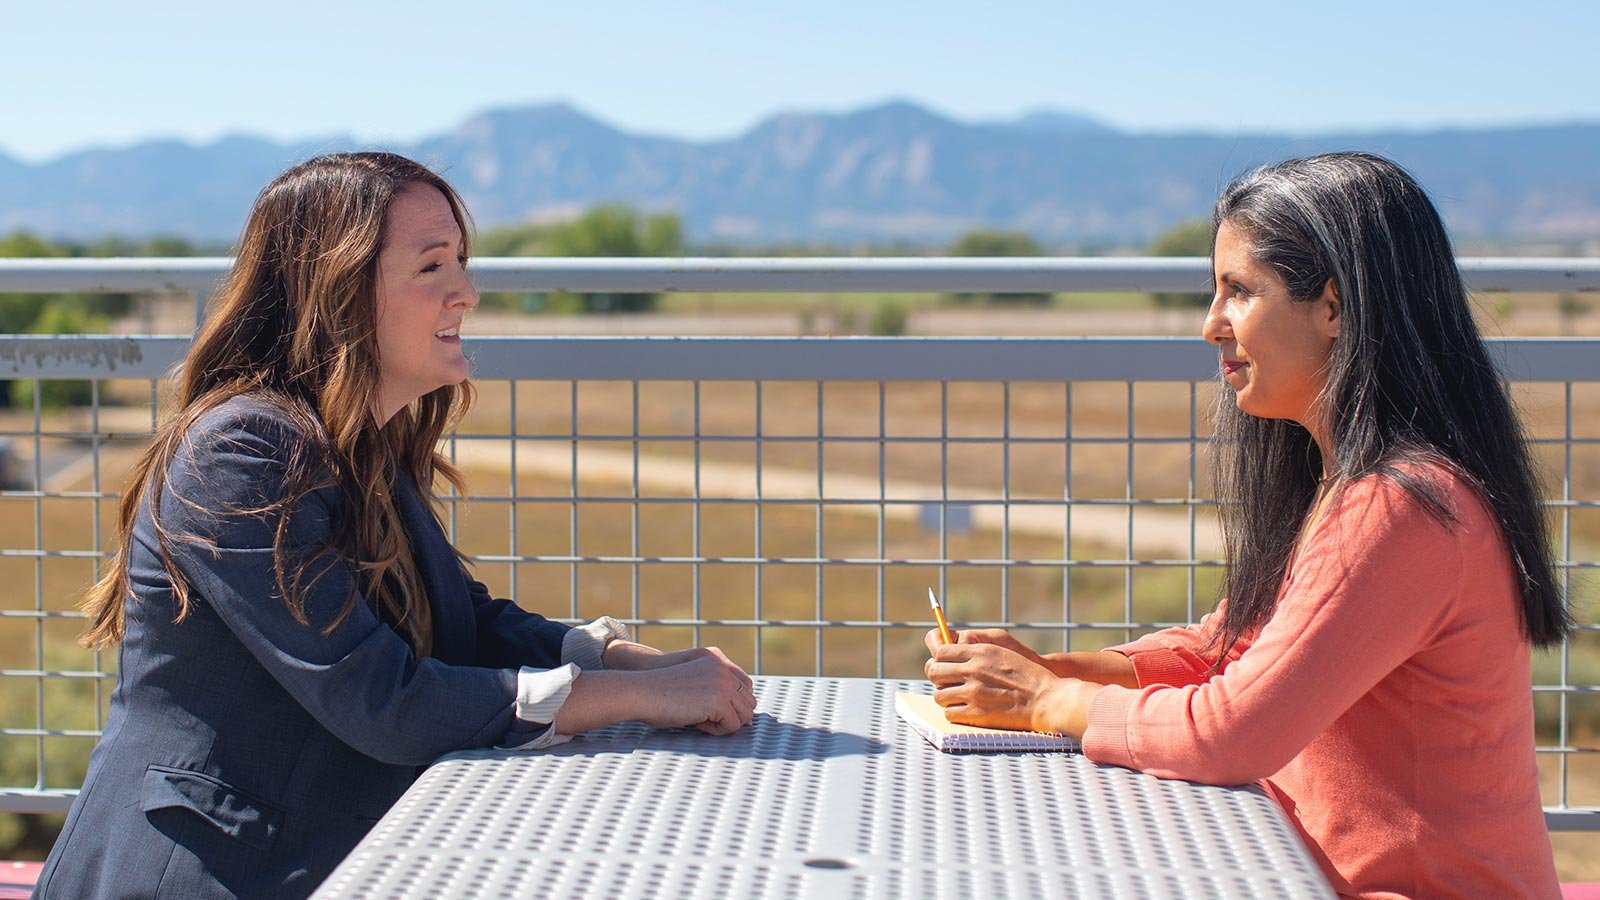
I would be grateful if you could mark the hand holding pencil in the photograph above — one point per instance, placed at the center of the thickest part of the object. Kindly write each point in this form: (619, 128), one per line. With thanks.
(944, 634)
(986, 677)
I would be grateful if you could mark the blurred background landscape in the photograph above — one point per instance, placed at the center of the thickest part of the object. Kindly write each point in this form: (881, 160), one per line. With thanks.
(1032, 131)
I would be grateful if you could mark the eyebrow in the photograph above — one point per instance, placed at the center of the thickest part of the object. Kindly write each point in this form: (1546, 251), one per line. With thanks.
(434, 246)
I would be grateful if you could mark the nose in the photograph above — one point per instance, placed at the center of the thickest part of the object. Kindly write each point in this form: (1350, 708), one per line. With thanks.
(1216, 328)
(466, 294)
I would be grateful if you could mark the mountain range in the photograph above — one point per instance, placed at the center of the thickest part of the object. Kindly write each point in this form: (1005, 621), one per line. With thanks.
(892, 172)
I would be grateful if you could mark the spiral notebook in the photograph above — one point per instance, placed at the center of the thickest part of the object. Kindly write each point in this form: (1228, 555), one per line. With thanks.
(927, 719)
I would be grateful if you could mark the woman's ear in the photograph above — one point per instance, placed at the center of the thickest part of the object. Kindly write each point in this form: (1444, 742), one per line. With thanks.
(1329, 301)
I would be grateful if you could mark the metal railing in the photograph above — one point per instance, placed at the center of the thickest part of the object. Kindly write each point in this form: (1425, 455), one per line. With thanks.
(786, 498)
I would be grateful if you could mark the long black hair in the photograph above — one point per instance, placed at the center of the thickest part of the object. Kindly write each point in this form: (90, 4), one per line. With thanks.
(1408, 380)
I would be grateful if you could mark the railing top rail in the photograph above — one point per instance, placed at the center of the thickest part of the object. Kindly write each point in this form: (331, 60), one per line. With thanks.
(781, 275)
(569, 358)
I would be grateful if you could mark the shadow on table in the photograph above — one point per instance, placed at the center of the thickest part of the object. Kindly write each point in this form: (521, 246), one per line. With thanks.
(764, 739)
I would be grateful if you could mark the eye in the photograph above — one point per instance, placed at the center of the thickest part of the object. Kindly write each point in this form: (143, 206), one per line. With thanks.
(462, 259)
(430, 267)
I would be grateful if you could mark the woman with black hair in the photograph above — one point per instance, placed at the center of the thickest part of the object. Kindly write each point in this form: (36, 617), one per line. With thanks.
(1388, 567)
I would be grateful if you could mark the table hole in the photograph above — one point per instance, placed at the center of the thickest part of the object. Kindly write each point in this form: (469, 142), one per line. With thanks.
(828, 862)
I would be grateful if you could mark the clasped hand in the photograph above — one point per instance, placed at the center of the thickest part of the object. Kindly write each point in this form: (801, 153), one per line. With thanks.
(699, 687)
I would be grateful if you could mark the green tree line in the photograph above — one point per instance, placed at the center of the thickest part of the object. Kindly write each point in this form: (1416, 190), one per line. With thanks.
(69, 313)
(621, 231)
(611, 230)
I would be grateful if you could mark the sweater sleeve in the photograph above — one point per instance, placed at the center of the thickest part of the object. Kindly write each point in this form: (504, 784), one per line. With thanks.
(1372, 586)
(1180, 656)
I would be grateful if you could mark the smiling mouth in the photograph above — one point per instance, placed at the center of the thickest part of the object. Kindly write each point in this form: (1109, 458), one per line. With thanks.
(446, 334)
(1230, 366)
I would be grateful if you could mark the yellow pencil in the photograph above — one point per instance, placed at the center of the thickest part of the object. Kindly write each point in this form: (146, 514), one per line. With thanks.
(938, 617)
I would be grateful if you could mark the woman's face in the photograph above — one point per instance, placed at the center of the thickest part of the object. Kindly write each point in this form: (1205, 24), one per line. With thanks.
(1274, 350)
(423, 295)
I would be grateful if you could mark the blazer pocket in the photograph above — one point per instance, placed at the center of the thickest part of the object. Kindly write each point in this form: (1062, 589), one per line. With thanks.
(228, 809)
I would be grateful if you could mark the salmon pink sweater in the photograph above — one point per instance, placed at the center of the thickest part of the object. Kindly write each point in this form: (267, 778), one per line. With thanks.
(1387, 703)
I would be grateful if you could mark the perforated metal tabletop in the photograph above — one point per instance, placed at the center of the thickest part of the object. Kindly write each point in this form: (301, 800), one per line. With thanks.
(828, 794)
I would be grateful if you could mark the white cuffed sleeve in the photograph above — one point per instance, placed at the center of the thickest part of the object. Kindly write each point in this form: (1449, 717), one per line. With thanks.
(540, 694)
(584, 645)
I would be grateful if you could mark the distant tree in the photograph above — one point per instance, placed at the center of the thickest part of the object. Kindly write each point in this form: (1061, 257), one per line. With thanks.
(116, 245)
(19, 311)
(890, 319)
(1569, 307)
(22, 243)
(514, 240)
(116, 306)
(167, 245)
(618, 231)
(992, 242)
(610, 230)
(54, 393)
(663, 235)
(50, 314)
(1191, 238)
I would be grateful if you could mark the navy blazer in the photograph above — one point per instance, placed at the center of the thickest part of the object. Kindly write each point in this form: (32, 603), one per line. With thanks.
(246, 753)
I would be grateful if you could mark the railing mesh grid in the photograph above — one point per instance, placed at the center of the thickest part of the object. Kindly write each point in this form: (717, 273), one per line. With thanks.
(794, 523)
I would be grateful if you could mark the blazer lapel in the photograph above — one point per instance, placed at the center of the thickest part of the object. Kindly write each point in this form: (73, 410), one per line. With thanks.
(454, 628)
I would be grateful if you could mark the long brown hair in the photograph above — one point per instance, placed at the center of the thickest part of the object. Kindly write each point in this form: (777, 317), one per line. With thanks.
(294, 324)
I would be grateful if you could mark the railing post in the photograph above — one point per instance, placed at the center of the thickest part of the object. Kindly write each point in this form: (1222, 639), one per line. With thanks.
(201, 295)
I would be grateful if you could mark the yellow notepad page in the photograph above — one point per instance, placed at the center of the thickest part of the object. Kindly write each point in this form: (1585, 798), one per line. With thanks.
(927, 719)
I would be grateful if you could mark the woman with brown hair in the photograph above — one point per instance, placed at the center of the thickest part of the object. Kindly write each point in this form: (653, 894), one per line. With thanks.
(297, 634)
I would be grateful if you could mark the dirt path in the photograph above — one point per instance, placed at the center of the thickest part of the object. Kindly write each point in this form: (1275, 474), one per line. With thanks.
(1158, 534)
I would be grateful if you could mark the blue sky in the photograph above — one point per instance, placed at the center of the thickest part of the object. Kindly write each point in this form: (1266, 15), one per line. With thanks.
(100, 73)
